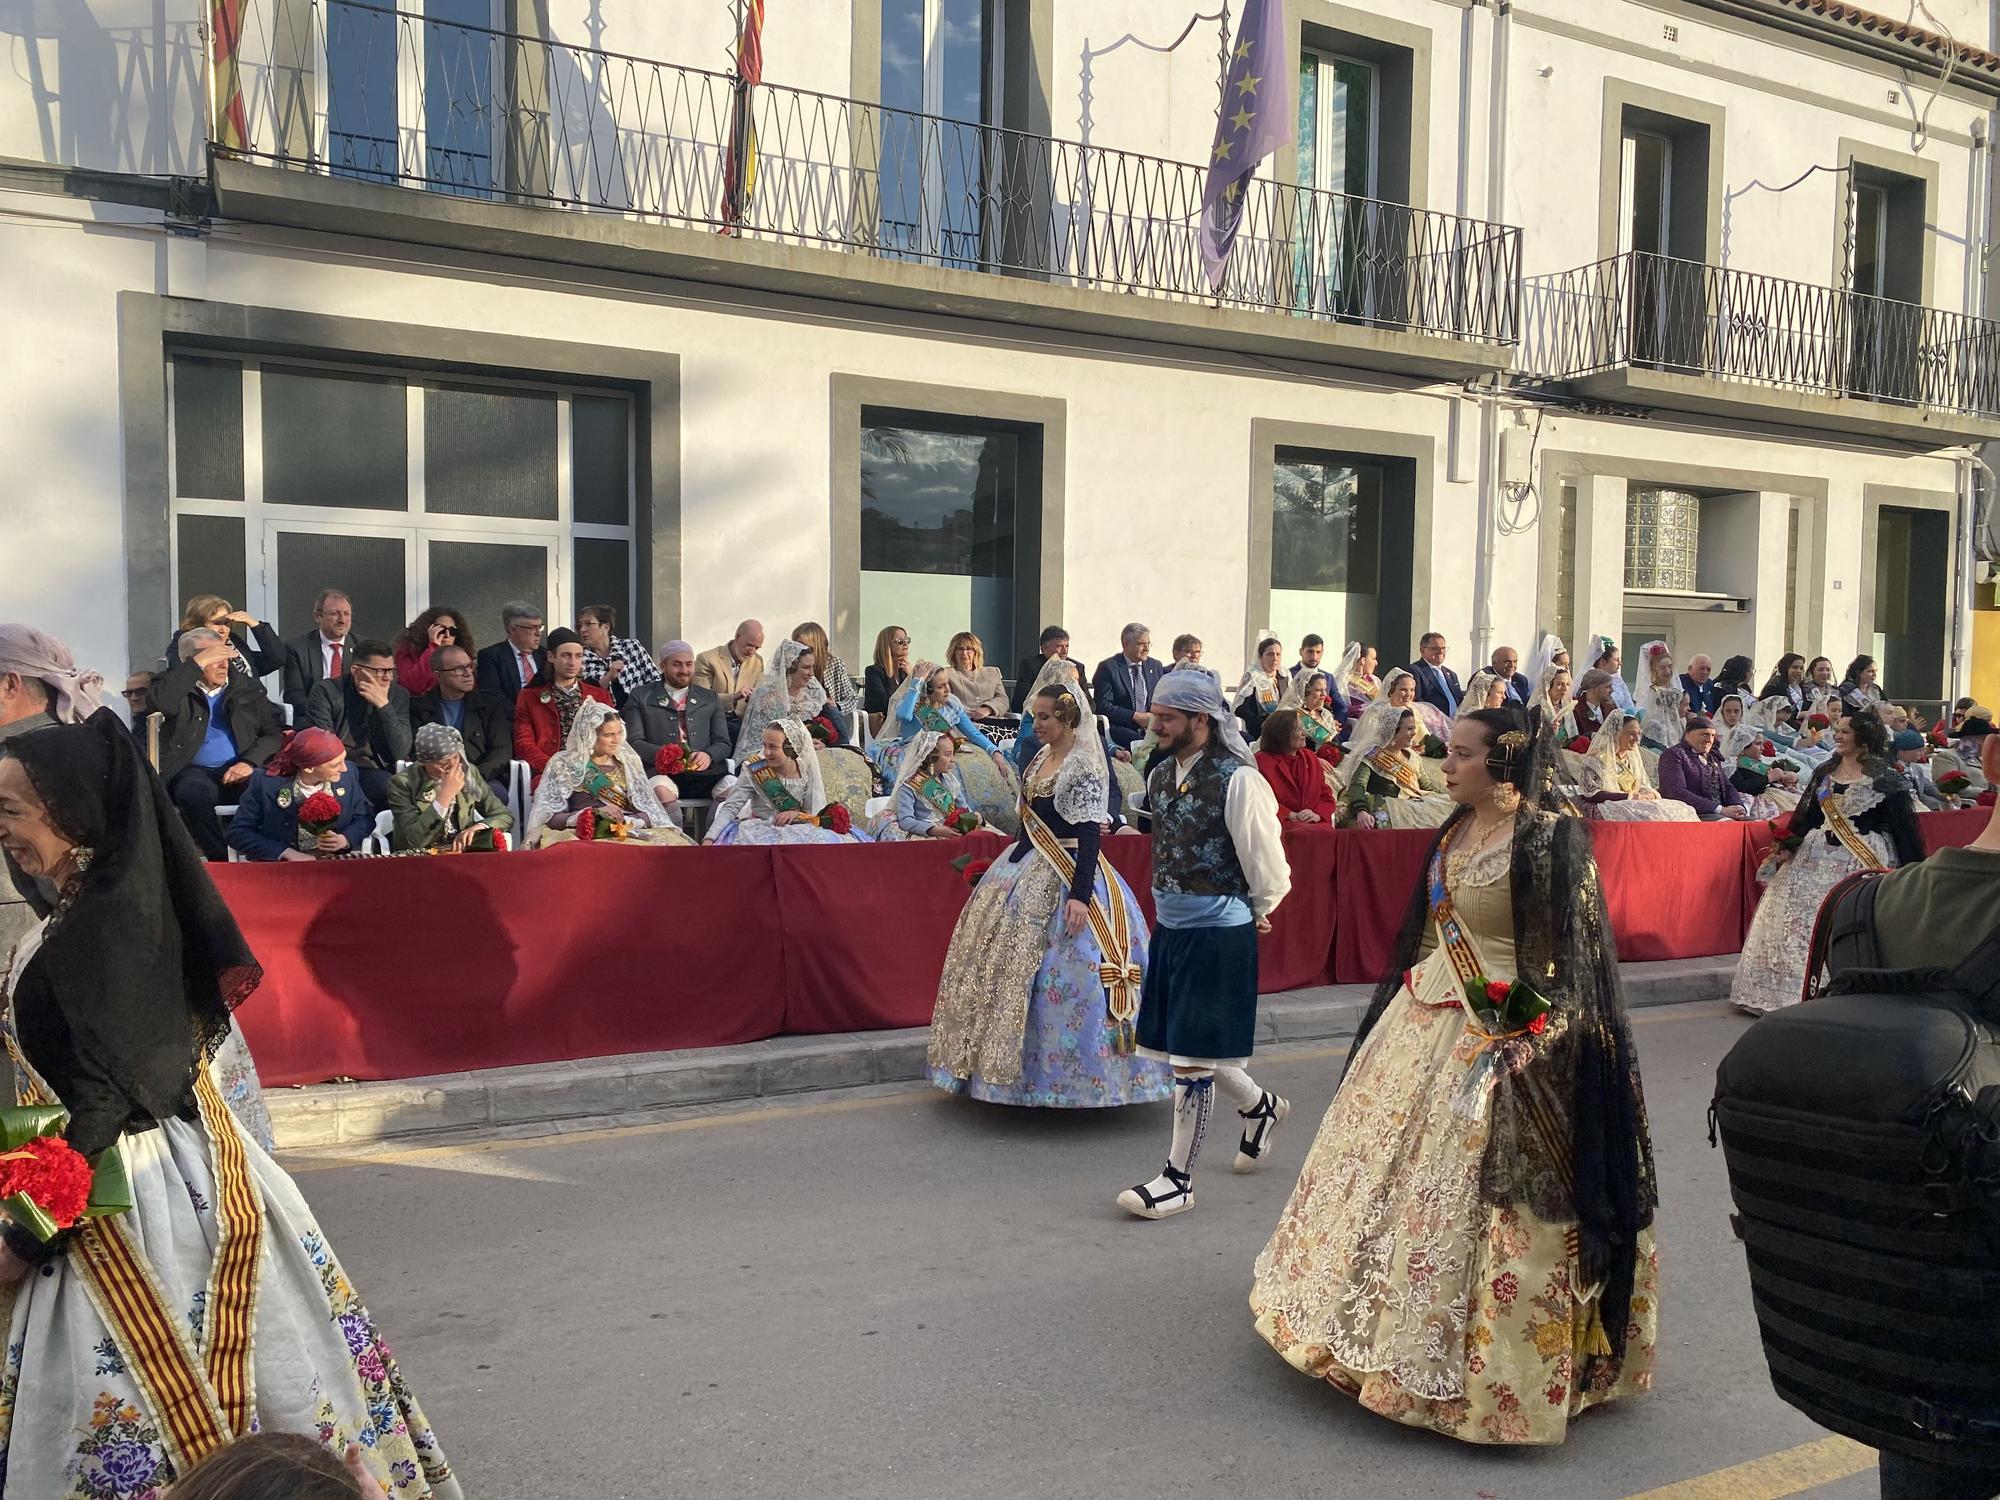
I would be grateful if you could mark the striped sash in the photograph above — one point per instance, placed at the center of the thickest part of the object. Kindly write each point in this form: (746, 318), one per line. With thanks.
(1387, 762)
(765, 776)
(1122, 978)
(1843, 827)
(200, 1394)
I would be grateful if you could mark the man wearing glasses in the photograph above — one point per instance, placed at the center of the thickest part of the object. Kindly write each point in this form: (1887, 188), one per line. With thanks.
(369, 711)
(479, 719)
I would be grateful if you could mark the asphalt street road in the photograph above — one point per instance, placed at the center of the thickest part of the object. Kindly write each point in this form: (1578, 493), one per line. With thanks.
(897, 1294)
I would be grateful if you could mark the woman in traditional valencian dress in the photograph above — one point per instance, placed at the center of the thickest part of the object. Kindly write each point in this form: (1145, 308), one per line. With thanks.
(1306, 697)
(1399, 690)
(929, 800)
(926, 702)
(1390, 782)
(1469, 1248)
(140, 1342)
(791, 690)
(1355, 676)
(1262, 689)
(1041, 986)
(779, 797)
(1549, 651)
(598, 773)
(1762, 772)
(1661, 701)
(1856, 813)
(1614, 784)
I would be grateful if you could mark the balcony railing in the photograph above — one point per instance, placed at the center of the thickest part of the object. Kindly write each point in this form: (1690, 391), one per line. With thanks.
(1654, 312)
(362, 90)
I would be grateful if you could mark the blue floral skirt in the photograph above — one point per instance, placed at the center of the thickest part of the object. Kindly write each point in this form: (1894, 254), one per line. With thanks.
(1021, 1015)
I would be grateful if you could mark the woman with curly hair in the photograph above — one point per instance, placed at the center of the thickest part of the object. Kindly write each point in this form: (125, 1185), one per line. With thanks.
(1855, 813)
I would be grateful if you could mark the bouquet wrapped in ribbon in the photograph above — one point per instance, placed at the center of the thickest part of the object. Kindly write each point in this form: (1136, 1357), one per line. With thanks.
(317, 814)
(671, 761)
(1782, 836)
(967, 821)
(45, 1186)
(971, 868)
(835, 816)
(486, 840)
(591, 826)
(821, 730)
(1954, 783)
(1505, 1014)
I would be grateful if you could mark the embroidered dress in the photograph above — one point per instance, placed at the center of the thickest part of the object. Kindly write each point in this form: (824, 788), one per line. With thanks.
(1662, 716)
(1392, 1276)
(1624, 773)
(745, 814)
(75, 1423)
(1846, 827)
(992, 791)
(1402, 789)
(1022, 1013)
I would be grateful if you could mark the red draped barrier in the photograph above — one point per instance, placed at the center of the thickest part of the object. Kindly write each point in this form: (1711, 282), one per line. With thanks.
(396, 968)
(1674, 890)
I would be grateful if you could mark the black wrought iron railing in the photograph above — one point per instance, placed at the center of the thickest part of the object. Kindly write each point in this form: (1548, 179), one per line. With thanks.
(1656, 312)
(362, 89)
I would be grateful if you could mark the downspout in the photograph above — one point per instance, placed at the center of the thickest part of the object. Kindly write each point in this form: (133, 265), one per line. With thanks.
(1489, 405)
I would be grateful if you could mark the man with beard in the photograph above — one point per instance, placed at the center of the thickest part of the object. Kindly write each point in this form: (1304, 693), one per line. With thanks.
(1219, 871)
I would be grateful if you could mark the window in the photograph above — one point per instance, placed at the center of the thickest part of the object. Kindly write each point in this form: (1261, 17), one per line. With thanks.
(1343, 230)
(940, 59)
(1663, 232)
(1565, 625)
(941, 511)
(1912, 614)
(409, 93)
(1885, 270)
(399, 489)
(1326, 547)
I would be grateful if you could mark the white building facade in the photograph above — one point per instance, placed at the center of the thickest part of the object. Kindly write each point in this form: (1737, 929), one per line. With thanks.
(462, 301)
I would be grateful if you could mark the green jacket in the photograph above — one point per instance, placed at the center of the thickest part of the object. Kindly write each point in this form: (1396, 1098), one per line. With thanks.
(417, 822)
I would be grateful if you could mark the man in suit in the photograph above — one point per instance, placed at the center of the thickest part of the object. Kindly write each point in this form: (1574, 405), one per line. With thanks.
(732, 670)
(369, 712)
(1704, 692)
(506, 667)
(219, 727)
(1506, 666)
(1122, 687)
(1437, 684)
(677, 712)
(1055, 642)
(322, 653)
(488, 737)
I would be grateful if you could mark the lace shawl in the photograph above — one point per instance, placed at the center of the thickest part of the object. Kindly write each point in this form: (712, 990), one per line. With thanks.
(1569, 1139)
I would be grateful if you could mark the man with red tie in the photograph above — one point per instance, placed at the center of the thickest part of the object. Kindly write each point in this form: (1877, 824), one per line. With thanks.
(508, 665)
(321, 654)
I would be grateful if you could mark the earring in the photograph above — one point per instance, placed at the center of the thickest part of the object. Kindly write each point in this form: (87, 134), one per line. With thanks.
(1506, 797)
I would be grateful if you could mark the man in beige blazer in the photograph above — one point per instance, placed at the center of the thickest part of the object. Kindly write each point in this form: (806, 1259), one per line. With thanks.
(732, 670)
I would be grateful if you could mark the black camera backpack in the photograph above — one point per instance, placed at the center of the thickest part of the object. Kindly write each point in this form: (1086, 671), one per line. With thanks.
(1862, 1137)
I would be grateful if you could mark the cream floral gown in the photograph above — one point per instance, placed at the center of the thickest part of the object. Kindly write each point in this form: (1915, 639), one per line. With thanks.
(1390, 1278)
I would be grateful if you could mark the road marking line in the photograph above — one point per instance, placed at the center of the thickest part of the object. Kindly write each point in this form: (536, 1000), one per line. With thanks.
(1774, 1476)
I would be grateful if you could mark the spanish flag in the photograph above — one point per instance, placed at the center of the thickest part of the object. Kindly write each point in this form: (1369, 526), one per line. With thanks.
(232, 131)
(739, 167)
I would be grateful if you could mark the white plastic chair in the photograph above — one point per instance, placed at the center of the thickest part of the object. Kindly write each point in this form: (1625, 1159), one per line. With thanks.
(378, 841)
(519, 791)
(876, 805)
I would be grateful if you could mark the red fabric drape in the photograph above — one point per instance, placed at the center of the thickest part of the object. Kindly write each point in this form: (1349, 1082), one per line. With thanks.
(396, 968)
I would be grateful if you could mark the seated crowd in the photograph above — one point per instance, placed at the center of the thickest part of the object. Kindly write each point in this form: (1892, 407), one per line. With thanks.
(608, 740)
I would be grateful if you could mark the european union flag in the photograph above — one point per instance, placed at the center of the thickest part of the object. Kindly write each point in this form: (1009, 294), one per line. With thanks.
(1257, 118)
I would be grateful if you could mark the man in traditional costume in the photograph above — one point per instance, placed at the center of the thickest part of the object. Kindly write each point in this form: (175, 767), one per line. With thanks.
(1219, 871)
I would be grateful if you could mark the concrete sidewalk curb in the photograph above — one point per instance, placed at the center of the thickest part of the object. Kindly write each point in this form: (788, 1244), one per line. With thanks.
(640, 1086)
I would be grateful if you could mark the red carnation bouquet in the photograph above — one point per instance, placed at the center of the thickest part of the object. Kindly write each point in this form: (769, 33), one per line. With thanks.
(835, 816)
(1504, 1007)
(1333, 755)
(45, 1185)
(967, 822)
(973, 869)
(1818, 721)
(821, 730)
(317, 814)
(1954, 783)
(589, 826)
(671, 761)
(1580, 745)
(1769, 749)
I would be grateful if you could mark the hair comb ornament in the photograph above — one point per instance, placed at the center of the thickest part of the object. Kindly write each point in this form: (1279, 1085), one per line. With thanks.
(1513, 742)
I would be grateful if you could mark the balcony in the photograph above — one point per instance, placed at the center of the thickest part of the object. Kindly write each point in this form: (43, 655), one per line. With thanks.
(361, 118)
(1650, 330)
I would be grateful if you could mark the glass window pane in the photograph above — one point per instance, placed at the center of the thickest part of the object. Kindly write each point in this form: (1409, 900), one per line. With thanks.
(938, 512)
(208, 429)
(335, 439)
(600, 460)
(603, 575)
(489, 452)
(209, 559)
(476, 578)
(458, 96)
(368, 569)
(1326, 546)
(361, 89)
(1352, 147)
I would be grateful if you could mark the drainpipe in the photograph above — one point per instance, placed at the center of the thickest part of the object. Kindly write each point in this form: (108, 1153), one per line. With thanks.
(1489, 406)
